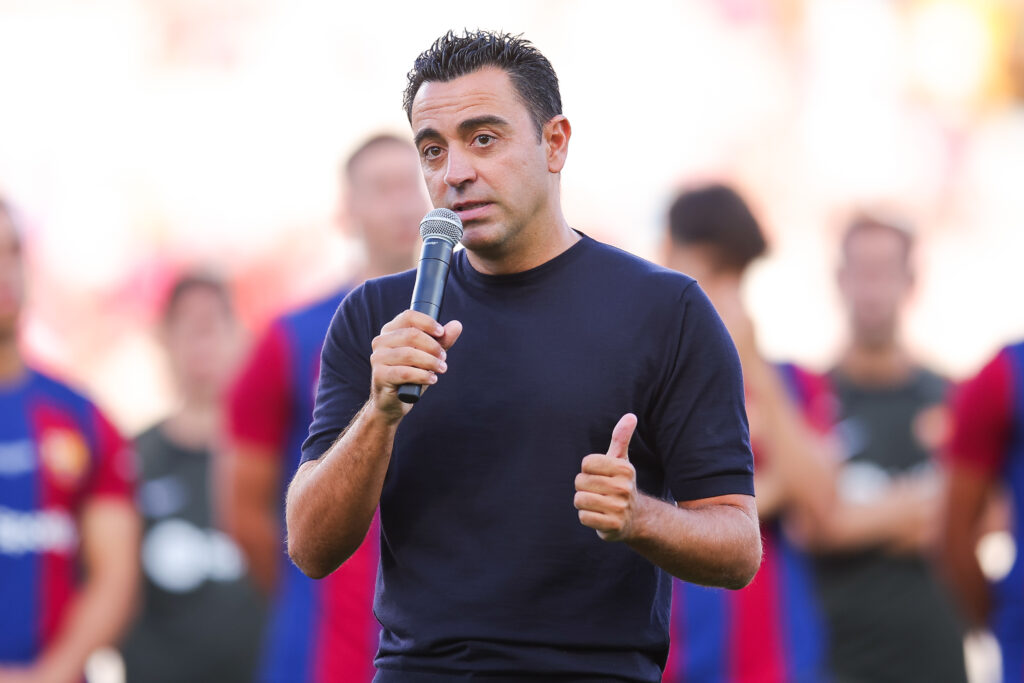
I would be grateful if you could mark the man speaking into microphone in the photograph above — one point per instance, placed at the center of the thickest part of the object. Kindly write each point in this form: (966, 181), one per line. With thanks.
(581, 433)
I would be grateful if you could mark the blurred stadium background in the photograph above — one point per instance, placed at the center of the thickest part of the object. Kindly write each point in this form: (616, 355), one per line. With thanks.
(139, 136)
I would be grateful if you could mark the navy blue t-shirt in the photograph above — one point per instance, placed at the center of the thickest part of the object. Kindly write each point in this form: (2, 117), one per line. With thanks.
(485, 566)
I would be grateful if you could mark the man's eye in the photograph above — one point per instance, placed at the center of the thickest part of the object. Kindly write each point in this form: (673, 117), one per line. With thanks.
(484, 139)
(431, 152)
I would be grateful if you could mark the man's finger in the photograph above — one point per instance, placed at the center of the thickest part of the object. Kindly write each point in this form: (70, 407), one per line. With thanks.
(452, 330)
(623, 432)
(410, 318)
(605, 465)
(596, 483)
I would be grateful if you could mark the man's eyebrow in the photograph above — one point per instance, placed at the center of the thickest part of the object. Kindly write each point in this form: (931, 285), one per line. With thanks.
(424, 134)
(468, 125)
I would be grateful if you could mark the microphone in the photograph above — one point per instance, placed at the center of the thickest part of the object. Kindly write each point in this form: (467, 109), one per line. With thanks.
(441, 230)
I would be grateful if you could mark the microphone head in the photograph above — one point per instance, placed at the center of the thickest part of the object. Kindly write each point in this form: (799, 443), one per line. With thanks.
(443, 223)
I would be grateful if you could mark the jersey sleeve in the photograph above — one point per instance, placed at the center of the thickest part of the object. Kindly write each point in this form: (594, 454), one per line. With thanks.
(259, 401)
(982, 418)
(698, 416)
(114, 471)
(814, 398)
(345, 374)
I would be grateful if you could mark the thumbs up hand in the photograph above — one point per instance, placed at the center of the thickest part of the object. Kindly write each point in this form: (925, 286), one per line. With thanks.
(606, 494)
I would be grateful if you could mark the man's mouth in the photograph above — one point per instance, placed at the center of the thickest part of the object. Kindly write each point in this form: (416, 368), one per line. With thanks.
(470, 210)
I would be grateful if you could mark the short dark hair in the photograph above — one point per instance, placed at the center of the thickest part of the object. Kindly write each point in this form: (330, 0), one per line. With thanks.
(866, 220)
(370, 144)
(453, 55)
(193, 281)
(716, 216)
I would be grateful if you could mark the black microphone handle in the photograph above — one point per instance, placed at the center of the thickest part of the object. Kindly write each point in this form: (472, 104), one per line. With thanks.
(427, 294)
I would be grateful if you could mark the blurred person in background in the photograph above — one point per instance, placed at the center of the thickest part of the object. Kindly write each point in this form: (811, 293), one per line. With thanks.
(201, 619)
(986, 452)
(889, 617)
(319, 630)
(772, 630)
(68, 527)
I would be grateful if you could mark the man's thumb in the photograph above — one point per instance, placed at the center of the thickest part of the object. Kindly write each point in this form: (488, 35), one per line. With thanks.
(623, 432)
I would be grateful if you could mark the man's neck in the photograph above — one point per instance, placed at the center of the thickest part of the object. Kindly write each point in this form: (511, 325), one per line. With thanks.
(534, 247)
(880, 365)
(11, 365)
(195, 425)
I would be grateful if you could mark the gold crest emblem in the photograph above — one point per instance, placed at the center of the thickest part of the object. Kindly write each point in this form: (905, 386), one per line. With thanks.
(65, 454)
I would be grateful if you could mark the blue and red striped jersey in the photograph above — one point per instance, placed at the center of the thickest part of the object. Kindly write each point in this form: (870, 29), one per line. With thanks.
(988, 436)
(771, 631)
(57, 453)
(319, 630)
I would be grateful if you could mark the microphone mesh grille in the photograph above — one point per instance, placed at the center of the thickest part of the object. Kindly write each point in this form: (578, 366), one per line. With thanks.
(442, 223)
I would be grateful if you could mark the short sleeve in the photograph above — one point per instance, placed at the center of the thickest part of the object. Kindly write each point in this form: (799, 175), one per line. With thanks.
(114, 473)
(259, 400)
(344, 384)
(982, 417)
(698, 415)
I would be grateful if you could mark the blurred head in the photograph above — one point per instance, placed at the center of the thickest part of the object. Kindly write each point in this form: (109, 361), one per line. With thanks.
(12, 275)
(712, 233)
(201, 336)
(486, 117)
(875, 278)
(385, 199)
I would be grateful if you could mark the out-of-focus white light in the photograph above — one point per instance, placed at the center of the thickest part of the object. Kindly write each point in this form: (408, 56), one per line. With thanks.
(996, 554)
(950, 49)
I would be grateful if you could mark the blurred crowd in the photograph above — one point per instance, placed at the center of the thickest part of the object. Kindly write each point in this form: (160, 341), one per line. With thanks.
(876, 481)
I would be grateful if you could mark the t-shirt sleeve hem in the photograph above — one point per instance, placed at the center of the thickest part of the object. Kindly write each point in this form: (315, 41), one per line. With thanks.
(314, 450)
(718, 485)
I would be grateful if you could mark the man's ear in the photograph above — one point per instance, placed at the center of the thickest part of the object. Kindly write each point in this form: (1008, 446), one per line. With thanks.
(555, 135)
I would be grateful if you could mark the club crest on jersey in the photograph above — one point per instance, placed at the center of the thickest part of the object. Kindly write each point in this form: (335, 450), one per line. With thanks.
(65, 456)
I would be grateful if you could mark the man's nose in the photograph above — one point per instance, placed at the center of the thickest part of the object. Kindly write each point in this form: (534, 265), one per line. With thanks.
(460, 168)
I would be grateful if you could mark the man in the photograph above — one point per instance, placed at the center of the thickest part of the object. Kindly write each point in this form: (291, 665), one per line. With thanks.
(489, 564)
(771, 631)
(201, 619)
(890, 619)
(65, 505)
(985, 453)
(317, 631)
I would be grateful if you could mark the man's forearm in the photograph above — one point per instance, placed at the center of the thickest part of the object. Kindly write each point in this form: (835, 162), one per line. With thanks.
(715, 544)
(805, 472)
(331, 501)
(96, 619)
(103, 607)
(260, 540)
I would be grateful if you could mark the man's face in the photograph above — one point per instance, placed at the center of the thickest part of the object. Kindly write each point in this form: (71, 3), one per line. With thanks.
(12, 280)
(482, 158)
(202, 342)
(386, 201)
(875, 281)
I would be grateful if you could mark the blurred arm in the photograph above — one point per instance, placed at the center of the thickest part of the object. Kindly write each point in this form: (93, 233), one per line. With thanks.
(251, 508)
(904, 519)
(110, 549)
(967, 494)
(798, 473)
(260, 407)
(983, 423)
